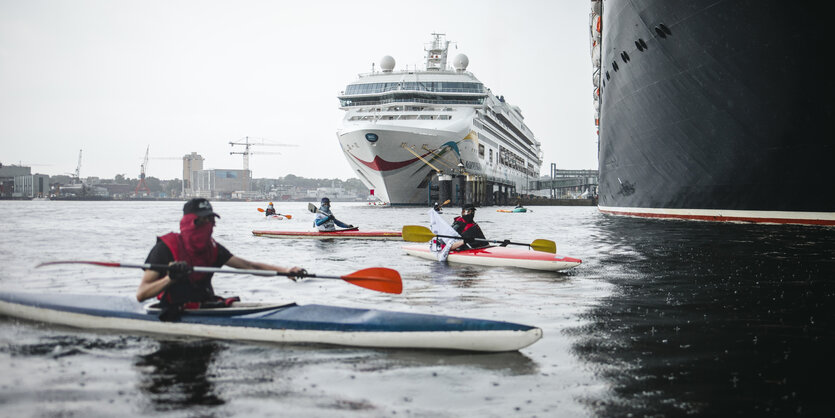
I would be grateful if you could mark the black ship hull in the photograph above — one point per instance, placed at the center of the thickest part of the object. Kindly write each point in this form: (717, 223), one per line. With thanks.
(716, 111)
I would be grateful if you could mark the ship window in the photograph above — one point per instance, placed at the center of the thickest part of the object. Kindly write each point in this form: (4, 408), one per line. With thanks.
(491, 156)
(481, 150)
(444, 87)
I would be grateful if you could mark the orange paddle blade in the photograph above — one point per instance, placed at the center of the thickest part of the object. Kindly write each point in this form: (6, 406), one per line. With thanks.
(261, 210)
(380, 279)
(287, 216)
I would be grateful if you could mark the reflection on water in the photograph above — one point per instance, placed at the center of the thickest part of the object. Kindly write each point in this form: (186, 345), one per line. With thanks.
(177, 375)
(714, 319)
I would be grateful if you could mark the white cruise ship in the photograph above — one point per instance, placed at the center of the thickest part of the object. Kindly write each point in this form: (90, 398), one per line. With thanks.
(407, 130)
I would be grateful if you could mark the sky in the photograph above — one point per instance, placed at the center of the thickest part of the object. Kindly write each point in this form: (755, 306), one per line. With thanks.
(113, 78)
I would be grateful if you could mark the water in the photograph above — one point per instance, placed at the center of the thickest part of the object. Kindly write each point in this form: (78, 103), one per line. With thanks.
(662, 318)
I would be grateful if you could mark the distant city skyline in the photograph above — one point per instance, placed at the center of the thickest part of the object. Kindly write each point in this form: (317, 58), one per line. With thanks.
(114, 78)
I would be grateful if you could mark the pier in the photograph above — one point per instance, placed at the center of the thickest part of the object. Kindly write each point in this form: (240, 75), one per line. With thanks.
(566, 188)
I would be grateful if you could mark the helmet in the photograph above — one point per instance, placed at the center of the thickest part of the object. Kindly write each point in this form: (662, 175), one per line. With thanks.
(325, 200)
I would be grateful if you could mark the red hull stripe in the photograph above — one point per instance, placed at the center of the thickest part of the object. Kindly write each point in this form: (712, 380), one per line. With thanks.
(380, 164)
(724, 218)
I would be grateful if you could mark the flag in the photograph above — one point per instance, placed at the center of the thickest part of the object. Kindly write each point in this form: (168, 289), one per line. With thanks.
(440, 246)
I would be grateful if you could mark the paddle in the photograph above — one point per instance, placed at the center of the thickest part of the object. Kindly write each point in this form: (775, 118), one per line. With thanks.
(286, 216)
(312, 208)
(416, 233)
(380, 279)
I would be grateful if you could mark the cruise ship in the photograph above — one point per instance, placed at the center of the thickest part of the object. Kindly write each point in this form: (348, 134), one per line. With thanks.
(714, 110)
(409, 132)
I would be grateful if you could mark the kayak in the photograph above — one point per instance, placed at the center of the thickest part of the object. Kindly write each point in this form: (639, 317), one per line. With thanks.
(501, 256)
(276, 217)
(517, 210)
(281, 323)
(347, 234)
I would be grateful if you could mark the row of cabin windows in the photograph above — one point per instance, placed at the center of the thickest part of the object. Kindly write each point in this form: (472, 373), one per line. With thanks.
(400, 117)
(433, 86)
(379, 100)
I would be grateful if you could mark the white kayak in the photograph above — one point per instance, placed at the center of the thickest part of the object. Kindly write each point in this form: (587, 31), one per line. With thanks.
(501, 256)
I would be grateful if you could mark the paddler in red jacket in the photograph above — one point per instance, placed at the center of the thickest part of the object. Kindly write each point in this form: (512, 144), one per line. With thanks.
(193, 246)
(466, 226)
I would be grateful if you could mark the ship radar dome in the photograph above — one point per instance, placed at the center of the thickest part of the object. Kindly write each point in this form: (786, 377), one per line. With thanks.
(387, 63)
(460, 62)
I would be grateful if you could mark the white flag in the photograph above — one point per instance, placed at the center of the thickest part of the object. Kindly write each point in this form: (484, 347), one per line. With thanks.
(440, 246)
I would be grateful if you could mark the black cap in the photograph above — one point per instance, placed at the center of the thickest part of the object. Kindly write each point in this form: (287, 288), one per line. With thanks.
(468, 206)
(199, 207)
(326, 200)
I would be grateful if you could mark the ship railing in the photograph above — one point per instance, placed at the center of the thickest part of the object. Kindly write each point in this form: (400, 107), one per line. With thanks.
(349, 103)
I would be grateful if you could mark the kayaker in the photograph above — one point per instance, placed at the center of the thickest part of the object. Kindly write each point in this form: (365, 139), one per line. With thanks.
(437, 207)
(270, 210)
(193, 246)
(466, 226)
(325, 221)
(519, 205)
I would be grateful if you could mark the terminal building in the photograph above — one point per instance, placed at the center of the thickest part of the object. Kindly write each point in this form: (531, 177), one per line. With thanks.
(213, 183)
(18, 182)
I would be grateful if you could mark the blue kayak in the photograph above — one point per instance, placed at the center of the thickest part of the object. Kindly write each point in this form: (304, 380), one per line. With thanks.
(282, 323)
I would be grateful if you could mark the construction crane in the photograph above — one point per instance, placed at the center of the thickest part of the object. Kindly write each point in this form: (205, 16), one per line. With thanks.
(246, 153)
(142, 185)
(77, 176)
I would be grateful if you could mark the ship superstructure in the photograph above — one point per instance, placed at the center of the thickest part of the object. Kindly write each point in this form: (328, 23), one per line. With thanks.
(407, 130)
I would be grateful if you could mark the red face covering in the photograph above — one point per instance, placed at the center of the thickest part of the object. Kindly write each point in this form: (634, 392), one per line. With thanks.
(197, 240)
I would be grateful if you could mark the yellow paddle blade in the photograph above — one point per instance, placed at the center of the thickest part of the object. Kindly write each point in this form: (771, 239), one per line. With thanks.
(544, 245)
(417, 233)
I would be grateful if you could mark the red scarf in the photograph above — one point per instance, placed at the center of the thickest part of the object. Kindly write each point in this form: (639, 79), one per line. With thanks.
(200, 248)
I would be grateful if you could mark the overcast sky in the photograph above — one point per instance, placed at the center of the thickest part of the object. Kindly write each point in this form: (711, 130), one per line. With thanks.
(113, 77)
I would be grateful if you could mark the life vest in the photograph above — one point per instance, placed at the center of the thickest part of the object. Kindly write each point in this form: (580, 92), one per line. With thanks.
(326, 226)
(467, 225)
(199, 285)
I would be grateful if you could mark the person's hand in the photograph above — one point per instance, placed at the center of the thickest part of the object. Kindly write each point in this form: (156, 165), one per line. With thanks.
(504, 243)
(330, 218)
(178, 271)
(349, 227)
(297, 273)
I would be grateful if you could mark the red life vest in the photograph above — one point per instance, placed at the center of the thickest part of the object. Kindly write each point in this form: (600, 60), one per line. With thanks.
(200, 283)
(467, 225)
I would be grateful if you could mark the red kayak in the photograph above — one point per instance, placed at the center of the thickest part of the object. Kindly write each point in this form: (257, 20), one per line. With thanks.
(501, 256)
(342, 234)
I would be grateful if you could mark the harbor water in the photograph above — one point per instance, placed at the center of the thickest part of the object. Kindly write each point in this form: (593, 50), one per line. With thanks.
(663, 318)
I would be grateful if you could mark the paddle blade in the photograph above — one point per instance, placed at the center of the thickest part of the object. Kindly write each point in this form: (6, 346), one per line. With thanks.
(288, 216)
(311, 207)
(446, 202)
(380, 279)
(261, 210)
(417, 233)
(544, 245)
